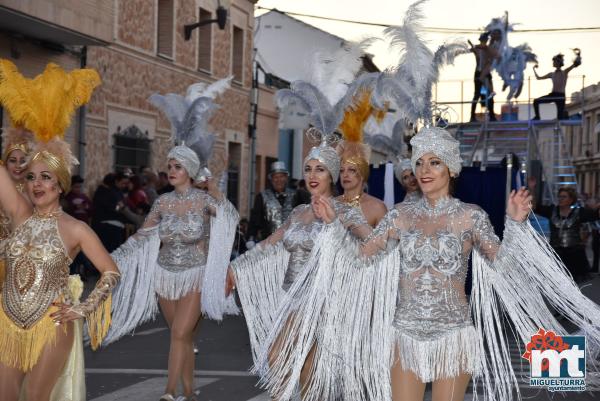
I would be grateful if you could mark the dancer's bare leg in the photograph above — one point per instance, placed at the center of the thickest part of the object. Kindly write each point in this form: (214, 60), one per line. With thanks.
(277, 345)
(307, 371)
(406, 386)
(452, 389)
(43, 376)
(186, 320)
(190, 360)
(182, 316)
(168, 308)
(10, 382)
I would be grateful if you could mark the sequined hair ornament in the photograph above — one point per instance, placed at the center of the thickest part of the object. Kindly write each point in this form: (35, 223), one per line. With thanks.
(44, 106)
(400, 167)
(324, 152)
(441, 143)
(16, 139)
(352, 149)
(189, 116)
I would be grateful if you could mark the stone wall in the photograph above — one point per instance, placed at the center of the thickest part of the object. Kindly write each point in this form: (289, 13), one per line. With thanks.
(131, 72)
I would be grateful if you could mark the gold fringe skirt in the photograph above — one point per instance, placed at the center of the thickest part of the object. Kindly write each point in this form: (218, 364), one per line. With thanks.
(21, 348)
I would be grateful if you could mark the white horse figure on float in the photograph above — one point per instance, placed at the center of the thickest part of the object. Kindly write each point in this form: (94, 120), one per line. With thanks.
(513, 60)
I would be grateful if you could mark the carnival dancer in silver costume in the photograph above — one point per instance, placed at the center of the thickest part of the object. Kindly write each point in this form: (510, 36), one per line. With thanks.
(181, 253)
(405, 175)
(265, 274)
(271, 277)
(434, 335)
(420, 325)
(41, 346)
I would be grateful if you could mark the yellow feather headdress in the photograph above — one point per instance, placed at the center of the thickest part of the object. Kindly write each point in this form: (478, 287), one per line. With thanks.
(44, 106)
(352, 149)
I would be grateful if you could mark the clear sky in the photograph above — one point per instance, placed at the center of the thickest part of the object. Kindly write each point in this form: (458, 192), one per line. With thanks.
(470, 14)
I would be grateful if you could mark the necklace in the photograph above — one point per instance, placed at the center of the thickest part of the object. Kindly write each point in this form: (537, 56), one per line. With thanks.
(51, 214)
(354, 202)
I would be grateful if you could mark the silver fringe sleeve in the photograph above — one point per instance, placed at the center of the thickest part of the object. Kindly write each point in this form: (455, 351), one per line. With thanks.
(259, 277)
(222, 234)
(133, 299)
(336, 315)
(523, 281)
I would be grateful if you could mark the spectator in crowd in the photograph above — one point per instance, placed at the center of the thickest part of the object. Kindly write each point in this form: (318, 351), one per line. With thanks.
(567, 229)
(273, 205)
(137, 200)
(107, 220)
(559, 85)
(163, 184)
(76, 202)
(594, 203)
(150, 186)
(127, 172)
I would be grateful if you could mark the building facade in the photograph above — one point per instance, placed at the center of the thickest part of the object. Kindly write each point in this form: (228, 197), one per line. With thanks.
(138, 47)
(583, 141)
(285, 47)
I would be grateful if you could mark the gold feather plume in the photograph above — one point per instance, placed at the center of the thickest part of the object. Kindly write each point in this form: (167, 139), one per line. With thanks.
(45, 105)
(356, 116)
(352, 149)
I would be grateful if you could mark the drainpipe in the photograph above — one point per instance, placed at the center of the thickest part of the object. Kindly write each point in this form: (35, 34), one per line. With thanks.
(81, 121)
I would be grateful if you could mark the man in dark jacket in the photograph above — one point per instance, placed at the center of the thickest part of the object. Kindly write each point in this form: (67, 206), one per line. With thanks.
(108, 221)
(273, 205)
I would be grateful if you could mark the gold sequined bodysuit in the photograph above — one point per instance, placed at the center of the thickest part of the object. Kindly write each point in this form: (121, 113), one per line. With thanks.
(5, 230)
(37, 270)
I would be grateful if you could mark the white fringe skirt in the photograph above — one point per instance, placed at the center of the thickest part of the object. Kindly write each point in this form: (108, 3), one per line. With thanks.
(175, 285)
(447, 356)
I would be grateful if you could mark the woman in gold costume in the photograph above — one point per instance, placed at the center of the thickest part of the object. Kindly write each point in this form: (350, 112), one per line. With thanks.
(40, 314)
(355, 155)
(17, 145)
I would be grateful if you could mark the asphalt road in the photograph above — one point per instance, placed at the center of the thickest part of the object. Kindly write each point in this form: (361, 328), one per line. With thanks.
(134, 368)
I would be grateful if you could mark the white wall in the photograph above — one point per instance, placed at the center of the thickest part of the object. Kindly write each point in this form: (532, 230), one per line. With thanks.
(285, 46)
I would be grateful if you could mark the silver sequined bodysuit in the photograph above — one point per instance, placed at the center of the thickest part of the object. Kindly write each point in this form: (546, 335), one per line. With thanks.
(184, 228)
(435, 244)
(301, 229)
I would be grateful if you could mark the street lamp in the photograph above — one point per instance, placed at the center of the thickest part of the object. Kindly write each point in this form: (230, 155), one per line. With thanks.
(221, 21)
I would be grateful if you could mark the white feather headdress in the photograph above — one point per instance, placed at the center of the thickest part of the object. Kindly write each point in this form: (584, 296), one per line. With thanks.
(409, 84)
(330, 88)
(189, 116)
(387, 137)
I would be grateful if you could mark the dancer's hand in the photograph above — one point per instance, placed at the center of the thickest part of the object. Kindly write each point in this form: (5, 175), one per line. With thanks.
(323, 209)
(229, 282)
(519, 204)
(64, 313)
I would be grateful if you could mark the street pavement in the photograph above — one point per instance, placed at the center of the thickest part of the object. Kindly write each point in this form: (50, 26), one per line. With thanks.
(134, 368)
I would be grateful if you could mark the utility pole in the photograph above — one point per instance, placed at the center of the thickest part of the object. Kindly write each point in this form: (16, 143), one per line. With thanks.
(252, 129)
